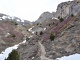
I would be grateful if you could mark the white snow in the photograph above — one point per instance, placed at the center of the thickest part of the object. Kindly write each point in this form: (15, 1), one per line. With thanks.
(30, 36)
(5, 53)
(32, 58)
(4, 17)
(0, 19)
(71, 57)
(30, 29)
(7, 34)
(44, 29)
(18, 20)
(33, 32)
(55, 18)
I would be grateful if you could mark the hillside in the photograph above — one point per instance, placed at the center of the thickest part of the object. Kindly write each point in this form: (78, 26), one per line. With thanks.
(52, 35)
(11, 33)
(66, 34)
(65, 43)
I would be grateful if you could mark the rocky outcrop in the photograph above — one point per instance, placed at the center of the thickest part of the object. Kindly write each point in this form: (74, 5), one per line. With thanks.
(45, 16)
(65, 9)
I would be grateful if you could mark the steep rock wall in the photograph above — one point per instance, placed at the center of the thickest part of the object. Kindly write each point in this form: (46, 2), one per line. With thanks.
(65, 9)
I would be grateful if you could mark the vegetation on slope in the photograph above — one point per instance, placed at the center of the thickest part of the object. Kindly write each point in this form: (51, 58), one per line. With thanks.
(14, 55)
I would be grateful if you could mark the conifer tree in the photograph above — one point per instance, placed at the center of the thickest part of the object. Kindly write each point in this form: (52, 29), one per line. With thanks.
(14, 55)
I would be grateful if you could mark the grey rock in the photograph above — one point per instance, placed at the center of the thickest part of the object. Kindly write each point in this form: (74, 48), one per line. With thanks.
(74, 41)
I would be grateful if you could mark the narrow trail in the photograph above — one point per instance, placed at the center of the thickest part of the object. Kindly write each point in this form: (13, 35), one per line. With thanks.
(43, 52)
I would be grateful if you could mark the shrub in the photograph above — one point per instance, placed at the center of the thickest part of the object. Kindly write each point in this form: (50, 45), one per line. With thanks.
(13, 35)
(41, 33)
(36, 33)
(72, 15)
(14, 55)
(27, 38)
(49, 24)
(53, 23)
(58, 17)
(15, 23)
(52, 37)
(39, 26)
(61, 19)
(37, 23)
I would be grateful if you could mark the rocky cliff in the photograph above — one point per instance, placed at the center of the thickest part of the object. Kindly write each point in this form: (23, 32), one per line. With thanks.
(45, 16)
(65, 9)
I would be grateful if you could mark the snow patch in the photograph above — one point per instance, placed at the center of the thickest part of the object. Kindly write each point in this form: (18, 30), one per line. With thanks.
(55, 18)
(44, 29)
(71, 57)
(31, 29)
(30, 36)
(4, 54)
(7, 34)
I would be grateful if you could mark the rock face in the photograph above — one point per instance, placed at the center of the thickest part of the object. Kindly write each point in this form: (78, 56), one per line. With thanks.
(45, 16)
(63, 9)
(67, 8)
